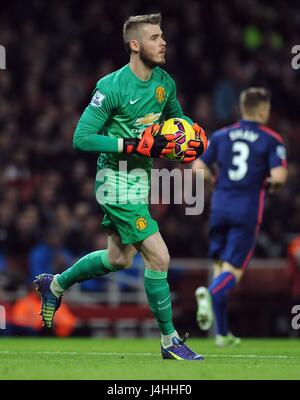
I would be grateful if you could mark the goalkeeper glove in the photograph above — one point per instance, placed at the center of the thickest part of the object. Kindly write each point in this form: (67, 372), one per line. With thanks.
(197, 146)
(151, 143)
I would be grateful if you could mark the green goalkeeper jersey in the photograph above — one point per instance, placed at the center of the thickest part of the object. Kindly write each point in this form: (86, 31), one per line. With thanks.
(122, 106)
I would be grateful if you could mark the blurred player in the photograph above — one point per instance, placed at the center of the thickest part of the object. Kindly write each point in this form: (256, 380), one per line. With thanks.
(126, 108)
(250, 157)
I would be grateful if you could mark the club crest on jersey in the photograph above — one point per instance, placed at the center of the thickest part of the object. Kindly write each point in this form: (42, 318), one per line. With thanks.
(160, 94)
(97, 99)
(280, 150)
(141, 223)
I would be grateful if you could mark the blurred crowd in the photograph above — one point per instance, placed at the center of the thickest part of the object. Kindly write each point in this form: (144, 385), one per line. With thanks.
(56, 51)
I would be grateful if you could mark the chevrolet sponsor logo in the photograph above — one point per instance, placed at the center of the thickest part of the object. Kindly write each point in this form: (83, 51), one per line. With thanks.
(148, 119)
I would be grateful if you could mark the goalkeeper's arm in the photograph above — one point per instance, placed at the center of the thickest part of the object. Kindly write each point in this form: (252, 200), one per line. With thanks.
(85, 139)
(148, 145)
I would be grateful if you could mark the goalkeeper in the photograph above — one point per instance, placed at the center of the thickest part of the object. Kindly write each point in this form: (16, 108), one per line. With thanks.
(120, 123)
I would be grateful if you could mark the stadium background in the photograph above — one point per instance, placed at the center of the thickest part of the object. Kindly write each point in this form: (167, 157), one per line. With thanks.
(56, 51)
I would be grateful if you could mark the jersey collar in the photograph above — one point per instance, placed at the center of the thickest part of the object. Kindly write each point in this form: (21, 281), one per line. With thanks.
(244, 122)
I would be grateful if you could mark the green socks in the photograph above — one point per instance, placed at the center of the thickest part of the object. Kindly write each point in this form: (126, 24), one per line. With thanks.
(90, 266)
(158, 294)
(156, 286)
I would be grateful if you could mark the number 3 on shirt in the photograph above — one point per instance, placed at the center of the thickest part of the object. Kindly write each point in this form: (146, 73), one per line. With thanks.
(239, 160)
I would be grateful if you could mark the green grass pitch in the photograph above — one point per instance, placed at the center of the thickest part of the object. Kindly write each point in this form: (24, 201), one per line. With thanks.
(128, 359)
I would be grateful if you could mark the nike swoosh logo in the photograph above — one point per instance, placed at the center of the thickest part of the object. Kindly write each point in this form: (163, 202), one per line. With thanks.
(163, 301)
(164, 307)
(134, 101)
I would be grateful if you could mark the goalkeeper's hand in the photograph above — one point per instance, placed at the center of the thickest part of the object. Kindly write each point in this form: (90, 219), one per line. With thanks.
(151, 143)
(197, 146)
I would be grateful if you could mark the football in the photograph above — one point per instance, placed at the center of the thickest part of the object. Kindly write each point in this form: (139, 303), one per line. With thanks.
(183, 132)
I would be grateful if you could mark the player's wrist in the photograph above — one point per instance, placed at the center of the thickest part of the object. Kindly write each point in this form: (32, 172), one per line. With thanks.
(120, 145)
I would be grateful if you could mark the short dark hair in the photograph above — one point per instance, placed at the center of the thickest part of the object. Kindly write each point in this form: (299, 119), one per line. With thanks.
(252, 97)
(134, 21)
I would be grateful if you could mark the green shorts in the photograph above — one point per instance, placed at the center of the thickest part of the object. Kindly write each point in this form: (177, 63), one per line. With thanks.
(132, 222)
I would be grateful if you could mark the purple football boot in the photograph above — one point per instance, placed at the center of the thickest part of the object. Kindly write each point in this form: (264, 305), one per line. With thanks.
(50, 303)
(180, 351)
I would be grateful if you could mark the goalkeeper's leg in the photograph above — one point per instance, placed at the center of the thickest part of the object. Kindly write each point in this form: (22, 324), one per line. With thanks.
(101, 262)
(156, 256)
